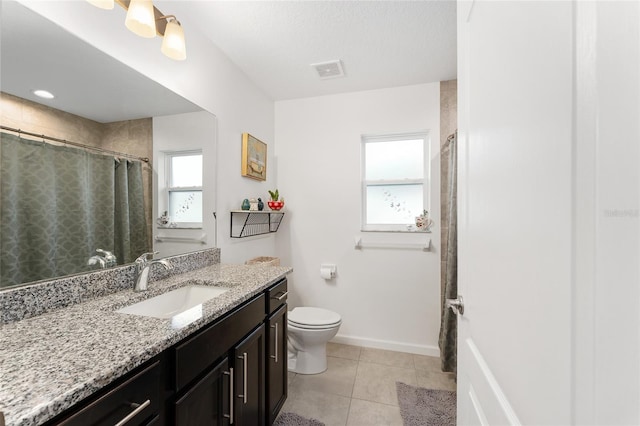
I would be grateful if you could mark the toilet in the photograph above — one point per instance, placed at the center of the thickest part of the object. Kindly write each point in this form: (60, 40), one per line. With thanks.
(309, 330)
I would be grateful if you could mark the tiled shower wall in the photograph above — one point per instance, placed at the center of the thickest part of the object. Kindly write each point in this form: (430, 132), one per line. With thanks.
(134, 137)
(448, 125)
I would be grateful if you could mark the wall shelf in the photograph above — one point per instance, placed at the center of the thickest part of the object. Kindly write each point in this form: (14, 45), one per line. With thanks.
(246, 223)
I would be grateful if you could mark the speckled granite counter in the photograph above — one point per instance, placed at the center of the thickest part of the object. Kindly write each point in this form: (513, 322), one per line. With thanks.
(50, 362)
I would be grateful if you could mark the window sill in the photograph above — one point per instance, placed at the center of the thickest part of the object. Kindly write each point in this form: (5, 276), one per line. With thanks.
(179, 226)
(397, 231)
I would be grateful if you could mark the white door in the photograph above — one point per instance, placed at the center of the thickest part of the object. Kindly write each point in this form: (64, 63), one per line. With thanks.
(548, 202)
(514, 212)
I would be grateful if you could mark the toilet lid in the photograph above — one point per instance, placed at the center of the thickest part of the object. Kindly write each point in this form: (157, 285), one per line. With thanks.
(307, 316)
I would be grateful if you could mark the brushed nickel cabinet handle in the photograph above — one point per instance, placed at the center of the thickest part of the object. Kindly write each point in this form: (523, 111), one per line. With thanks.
(245, 361)
(230, 415)
(138, 409)
(275, 357)
(282, 296)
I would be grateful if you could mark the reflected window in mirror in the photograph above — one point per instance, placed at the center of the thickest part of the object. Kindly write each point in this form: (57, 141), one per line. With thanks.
(183, 202)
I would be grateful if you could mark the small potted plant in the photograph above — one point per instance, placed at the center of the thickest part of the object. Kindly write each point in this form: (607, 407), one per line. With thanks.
(276, 203)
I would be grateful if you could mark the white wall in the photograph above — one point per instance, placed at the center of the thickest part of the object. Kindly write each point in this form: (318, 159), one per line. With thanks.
(207, 78)
(387, 298)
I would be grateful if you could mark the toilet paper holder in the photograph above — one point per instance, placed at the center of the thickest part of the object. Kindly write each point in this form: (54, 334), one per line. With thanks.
(328, 271)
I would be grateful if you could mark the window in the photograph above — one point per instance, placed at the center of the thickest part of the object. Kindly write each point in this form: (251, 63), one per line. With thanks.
(184, 188)
(394, 181)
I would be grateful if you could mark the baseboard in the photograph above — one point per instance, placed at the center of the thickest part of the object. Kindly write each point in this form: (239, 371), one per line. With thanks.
(388, 345)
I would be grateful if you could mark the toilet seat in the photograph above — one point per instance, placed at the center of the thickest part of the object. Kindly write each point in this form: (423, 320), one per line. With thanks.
(314, 327)
(313, 318)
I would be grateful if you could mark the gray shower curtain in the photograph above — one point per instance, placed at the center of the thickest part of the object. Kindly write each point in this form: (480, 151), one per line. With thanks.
(59, 204)
(448, 322)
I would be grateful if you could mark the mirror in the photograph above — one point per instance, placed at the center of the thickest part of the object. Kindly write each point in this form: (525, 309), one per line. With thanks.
(95, 94)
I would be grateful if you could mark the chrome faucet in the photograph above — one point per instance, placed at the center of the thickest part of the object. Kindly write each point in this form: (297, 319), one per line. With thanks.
(109, 257)
(104, 259)
(143, 263)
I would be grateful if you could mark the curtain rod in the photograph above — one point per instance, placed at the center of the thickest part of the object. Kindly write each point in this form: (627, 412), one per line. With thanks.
(80, 145)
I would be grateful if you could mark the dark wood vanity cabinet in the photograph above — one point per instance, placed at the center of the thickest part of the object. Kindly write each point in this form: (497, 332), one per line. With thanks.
(276, 357)
(135, 399)
(250, 379)
(230, 372)
(249, 387)
(276, 361)
(207, 402)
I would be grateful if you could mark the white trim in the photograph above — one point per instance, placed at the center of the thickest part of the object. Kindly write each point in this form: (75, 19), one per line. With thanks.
(425, 136)
(388, 345)
(496, 390)
(475, 402)
(168, 188)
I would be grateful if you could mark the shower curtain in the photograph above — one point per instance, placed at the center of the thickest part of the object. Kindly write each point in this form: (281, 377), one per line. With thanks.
(448, 322)
(59, 204)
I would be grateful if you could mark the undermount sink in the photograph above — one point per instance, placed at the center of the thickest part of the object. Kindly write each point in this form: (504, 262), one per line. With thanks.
(183, 305)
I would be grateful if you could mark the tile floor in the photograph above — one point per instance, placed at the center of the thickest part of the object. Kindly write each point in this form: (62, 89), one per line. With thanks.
(359, 386)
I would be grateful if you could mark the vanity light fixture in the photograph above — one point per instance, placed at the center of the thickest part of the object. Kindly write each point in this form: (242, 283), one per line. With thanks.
(43, 94)
(173, 44)
(142, 19)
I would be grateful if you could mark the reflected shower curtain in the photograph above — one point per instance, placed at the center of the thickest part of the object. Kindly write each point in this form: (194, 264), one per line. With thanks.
(448, 322)
(130, 225)
(59, 204)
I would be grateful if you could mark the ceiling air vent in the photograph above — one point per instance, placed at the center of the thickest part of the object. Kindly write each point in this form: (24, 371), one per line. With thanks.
(331, 69)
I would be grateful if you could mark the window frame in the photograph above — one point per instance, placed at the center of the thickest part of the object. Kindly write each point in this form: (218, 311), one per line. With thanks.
(168, 156)
(425, 181)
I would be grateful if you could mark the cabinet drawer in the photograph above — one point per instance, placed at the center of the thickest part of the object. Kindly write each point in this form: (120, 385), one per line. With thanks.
(276, 295)
(196, 353)
(137, 398)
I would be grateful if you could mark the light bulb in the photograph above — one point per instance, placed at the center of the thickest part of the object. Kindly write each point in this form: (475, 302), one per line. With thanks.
(173, 44)
(141, 19)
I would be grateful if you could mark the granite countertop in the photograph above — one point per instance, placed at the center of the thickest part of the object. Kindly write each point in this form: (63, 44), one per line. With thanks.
(54, 360)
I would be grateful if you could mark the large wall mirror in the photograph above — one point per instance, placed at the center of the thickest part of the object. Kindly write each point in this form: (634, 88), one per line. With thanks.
(99, 103)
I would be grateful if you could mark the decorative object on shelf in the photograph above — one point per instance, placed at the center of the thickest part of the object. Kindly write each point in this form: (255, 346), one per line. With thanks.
(423, 222)
(164, 219)
(254, 157)
(276, 202)
(264, 261)
(275, 205)
(245, 204)
(260, 204)
(253, 205)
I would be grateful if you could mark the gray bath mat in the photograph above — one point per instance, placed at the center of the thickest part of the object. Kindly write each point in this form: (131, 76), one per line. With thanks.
(293, 419)
(426, 407)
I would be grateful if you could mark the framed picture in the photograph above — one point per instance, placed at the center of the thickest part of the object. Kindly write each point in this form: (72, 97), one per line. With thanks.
(254, 157)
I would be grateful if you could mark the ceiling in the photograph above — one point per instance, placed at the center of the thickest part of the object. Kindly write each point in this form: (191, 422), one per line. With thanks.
(37, 54)
(380, 43)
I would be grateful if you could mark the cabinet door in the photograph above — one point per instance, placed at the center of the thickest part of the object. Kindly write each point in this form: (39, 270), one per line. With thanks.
(276, 363)
(208, 401)
(249, 378)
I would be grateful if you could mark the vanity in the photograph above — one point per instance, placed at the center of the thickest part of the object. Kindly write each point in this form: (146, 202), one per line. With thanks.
(66, 355)
(88, 364)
